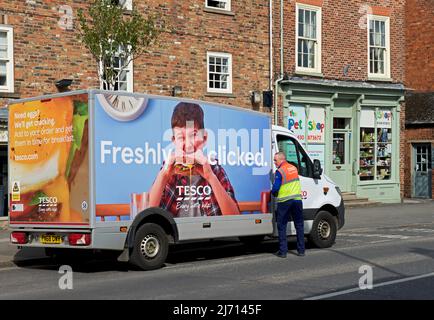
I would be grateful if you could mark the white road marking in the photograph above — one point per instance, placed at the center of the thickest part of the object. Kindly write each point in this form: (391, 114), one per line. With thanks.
(339, 293)
(387, 236)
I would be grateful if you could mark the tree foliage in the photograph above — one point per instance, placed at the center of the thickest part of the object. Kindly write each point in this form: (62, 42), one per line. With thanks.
(111, 34)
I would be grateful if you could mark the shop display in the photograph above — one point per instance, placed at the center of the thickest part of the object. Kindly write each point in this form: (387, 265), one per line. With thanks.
(375, 162)
(384, 154)
(367, 156)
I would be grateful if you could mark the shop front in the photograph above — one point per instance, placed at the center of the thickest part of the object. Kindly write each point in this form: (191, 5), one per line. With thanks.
(353, 128)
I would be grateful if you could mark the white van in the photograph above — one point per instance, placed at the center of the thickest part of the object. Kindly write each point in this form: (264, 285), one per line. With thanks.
(101, 170)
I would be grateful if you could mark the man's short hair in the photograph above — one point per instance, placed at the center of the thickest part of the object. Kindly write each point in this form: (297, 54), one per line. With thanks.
(185, 111)
(281, 155)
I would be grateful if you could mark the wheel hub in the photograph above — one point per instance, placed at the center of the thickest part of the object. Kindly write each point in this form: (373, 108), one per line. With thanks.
(150, 246)
(324, 229)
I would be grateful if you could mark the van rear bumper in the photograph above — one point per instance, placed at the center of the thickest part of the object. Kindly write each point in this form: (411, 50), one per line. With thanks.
(341, 214)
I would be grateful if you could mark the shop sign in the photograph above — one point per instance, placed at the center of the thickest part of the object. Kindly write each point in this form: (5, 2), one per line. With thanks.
(316, 125)
(316, 151)
(297, 122)
(384, 119)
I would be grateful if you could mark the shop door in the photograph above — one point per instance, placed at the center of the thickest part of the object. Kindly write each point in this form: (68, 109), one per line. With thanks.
(341, 163)
(422, 171)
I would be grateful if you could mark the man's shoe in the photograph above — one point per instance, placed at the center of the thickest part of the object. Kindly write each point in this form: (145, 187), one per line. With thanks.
(300, 254)
(280, 255)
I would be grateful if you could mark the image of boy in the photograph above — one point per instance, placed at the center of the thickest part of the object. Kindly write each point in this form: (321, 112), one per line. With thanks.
(187, 184)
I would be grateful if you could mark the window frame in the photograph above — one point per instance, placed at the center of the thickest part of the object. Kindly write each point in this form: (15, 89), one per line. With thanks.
(301, 152)
(394, 175)
(9, 87)
(128, 5)
(130, 78)
(386, 74)
(228, 2)
(228, 90)
(318, 47)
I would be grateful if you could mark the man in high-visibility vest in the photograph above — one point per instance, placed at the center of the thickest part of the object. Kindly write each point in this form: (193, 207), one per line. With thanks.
(287, 189)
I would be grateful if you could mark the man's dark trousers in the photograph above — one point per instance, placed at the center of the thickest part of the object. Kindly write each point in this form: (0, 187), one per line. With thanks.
(295, 209)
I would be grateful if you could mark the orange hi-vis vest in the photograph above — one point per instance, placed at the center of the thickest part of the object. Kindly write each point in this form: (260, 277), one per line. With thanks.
(291, 187)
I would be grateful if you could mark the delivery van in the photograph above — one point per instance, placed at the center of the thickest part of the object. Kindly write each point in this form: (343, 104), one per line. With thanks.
(133, 173)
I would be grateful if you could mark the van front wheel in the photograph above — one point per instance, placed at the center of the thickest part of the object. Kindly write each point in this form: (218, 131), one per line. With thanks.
(151, 247)
(324, 229)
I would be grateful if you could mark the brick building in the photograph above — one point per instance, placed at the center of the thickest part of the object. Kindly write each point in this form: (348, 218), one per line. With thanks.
(419, 125)
(340, 72)
(223, 41)
(338, 66)
(46, 49)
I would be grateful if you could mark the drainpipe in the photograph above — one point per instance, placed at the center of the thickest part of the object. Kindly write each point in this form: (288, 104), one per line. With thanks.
(281, 38)
(276, 83)
(271, 45)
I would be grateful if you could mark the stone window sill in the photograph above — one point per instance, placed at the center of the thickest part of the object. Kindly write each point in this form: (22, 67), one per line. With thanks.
(308, 73)
(219, 11)
(217, 94)
(9, 95)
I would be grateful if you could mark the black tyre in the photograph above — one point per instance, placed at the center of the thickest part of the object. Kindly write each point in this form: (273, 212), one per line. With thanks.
(151, 247)
(252, 241)
(324, 229)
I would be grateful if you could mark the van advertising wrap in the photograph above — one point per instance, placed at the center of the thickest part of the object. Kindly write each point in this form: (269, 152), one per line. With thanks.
(48, 161)
(190, 158)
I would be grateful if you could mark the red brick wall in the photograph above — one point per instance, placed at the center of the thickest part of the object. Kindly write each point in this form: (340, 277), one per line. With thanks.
(344, 42)
(45, 53)
(402, 151)
(415, 135)
(419, 73)
(420, 45)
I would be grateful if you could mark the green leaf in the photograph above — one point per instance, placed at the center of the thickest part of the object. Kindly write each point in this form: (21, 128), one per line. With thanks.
(80, 108)
(78, 125)
(35, 200)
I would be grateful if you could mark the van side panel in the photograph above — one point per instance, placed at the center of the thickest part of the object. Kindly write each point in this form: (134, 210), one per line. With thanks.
(49, 162)
(223, 157)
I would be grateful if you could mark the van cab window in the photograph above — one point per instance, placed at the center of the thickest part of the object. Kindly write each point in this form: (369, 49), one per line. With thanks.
(295, 155)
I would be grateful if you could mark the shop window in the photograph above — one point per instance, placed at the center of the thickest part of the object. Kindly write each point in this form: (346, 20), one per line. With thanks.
(375, 161)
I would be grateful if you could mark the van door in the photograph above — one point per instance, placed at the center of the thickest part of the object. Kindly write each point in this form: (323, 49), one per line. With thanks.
(310, 187)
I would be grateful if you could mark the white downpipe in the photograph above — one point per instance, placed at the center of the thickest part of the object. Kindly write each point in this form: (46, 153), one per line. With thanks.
(276, 83)
(271, 45)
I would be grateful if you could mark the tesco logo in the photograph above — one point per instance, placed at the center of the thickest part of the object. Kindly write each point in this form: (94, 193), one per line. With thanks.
(47, 200)
(194, 190)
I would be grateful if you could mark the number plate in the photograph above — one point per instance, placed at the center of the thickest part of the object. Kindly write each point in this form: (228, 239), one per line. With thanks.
(51, 239)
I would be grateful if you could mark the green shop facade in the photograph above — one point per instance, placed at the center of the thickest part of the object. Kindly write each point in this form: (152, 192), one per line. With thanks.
(353, 128)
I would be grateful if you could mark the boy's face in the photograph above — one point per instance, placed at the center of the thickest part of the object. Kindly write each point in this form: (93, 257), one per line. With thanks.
(188, 140)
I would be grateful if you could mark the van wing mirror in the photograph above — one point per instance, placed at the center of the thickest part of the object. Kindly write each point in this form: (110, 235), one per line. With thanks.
(317, 170)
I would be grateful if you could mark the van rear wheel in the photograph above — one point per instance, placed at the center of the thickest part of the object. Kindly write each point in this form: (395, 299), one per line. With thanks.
(324, 229)
(151, 247)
